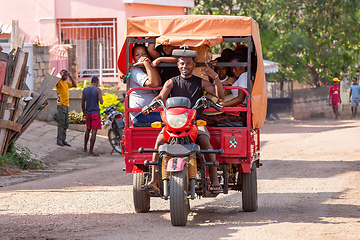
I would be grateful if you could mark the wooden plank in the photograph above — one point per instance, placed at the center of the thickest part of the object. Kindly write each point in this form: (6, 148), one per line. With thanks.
(41, 89)
(19, 106)
(20, 41)
(22, 79)
(11, 63)
(46, 86)
(12, 92)
(18, 110)
(7, 124)
(3, 56)
(3, 66)
(35, 107)
(14, 34)
(10, 106)
(26, 125)
(15, 81)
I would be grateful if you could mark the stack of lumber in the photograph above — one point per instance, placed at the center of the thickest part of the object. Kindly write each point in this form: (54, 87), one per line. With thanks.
(16, 117)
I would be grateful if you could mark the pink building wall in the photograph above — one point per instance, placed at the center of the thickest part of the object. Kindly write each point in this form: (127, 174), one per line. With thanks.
(38, 18)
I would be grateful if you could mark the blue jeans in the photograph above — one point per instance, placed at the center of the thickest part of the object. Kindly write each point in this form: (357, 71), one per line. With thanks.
(150, 118)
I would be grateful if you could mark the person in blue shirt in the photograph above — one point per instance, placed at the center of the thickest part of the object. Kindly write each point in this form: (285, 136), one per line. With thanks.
(354, 97)
(91, 98)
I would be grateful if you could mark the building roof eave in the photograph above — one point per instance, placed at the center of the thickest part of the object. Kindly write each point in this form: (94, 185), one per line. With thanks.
(170, 3)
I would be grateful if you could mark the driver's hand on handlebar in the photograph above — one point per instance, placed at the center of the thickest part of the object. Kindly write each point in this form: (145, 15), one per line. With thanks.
(145, 110)
(221, 103)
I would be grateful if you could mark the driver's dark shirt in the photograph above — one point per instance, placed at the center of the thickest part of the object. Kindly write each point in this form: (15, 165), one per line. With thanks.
(190, 88)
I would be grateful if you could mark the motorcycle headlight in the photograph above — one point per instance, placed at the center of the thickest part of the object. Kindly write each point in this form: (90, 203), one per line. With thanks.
(177, 121)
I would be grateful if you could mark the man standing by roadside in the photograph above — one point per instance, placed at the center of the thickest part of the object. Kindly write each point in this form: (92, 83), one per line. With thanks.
(354, 97)
(62, 92)
(334, 96)
(90, 105)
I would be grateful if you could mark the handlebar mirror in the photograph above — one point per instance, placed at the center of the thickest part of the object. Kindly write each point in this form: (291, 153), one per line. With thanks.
(184, 53)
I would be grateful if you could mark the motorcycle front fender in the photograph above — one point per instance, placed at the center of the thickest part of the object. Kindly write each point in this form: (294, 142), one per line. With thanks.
(175, 165)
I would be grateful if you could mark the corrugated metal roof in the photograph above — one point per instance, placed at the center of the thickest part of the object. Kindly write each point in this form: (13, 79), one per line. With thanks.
(271, 67)
(5, 28)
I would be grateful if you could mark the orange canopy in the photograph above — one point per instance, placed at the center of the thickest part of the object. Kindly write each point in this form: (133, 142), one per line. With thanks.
(196, 30)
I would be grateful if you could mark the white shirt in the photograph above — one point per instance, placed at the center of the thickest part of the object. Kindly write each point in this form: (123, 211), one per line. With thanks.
(240, 82)
(139, 98)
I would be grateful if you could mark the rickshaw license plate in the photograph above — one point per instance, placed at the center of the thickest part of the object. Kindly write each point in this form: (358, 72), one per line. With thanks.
(233, 142)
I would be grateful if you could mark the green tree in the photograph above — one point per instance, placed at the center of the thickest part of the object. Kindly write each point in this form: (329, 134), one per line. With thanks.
(313, 40)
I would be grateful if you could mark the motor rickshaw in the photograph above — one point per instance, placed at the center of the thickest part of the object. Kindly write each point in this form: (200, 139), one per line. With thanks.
(237, 147)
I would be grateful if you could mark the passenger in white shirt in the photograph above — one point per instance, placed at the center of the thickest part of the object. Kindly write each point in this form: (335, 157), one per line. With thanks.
(241, 74)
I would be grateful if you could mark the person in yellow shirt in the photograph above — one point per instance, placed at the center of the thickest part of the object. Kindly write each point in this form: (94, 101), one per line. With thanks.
(62, 92)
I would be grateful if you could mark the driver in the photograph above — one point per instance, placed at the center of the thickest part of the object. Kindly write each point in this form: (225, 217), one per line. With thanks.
(192, 87)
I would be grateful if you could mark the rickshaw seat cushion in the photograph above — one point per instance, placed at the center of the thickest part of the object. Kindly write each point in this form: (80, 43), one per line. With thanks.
(231, 124)
(178, 102)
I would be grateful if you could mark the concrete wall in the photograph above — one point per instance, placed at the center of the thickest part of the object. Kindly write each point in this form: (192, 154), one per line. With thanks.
(74, 102)
(313, 103)
(41, 64)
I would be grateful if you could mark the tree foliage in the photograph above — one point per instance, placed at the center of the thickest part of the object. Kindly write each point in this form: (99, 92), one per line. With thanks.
(313, 40)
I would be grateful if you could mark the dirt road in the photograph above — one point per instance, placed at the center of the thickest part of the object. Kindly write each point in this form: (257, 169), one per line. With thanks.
(308, 189)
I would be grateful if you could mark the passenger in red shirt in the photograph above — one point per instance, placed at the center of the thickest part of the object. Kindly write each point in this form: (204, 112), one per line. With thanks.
(334, 96)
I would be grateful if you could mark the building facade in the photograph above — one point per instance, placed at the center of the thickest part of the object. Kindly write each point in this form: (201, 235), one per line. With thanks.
(92, 27)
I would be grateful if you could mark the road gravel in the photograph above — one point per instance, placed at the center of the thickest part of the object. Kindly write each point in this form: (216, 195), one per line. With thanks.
(308, 189)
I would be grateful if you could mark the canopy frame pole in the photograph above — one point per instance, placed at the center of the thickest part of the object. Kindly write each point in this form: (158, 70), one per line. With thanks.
(249, 83)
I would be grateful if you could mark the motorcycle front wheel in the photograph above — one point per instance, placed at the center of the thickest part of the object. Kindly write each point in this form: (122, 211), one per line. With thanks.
(114, 140)
(179, 203)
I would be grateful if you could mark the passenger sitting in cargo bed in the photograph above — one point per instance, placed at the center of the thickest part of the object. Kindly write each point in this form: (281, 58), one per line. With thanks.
(163, 53)
(143, 75)
(240, 73)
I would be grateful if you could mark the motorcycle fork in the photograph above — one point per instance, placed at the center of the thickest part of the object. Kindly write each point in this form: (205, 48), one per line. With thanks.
(192, 163)
(165, 176)
(192, 174)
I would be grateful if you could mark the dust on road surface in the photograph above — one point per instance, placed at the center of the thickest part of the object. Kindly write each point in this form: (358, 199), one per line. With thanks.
(308, 189)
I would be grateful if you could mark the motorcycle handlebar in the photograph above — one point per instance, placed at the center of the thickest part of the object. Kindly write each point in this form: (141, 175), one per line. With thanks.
(216, 106)
(207, 102)
(219, 151)
(154, 105)
(143, 150)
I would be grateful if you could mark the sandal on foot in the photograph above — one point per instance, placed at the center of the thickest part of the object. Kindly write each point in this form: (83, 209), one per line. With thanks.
(149, 187)
(215, 188)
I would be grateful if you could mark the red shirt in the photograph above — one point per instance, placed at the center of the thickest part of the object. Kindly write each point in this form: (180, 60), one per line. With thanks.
(334, 93)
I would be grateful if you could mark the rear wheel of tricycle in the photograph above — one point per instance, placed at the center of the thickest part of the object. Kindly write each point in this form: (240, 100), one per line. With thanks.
(179, 203)
(249, 190)
(141, 197)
